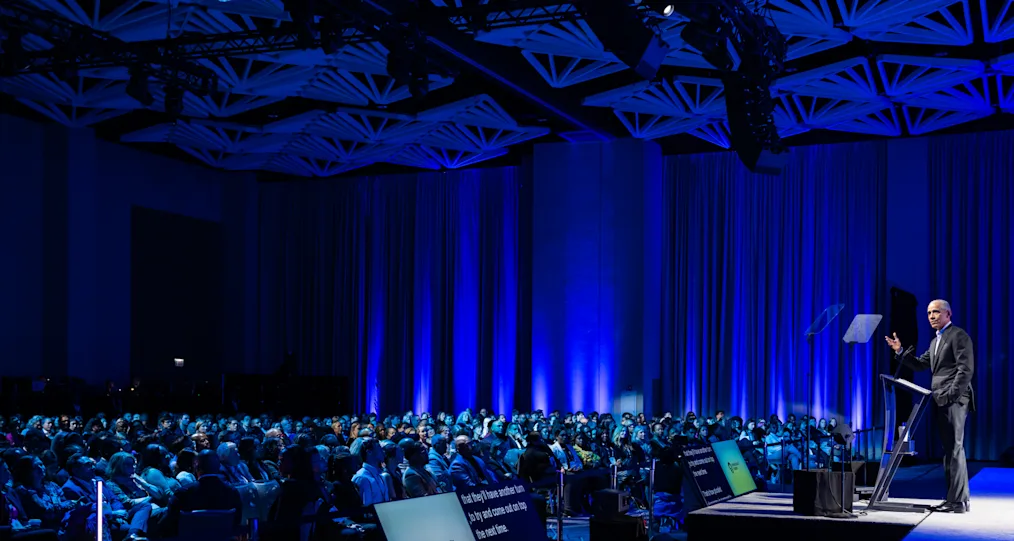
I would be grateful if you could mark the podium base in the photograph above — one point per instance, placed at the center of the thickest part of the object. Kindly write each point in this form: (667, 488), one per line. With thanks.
(898, 507)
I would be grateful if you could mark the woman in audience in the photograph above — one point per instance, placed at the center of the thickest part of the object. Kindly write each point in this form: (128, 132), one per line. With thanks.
(12, 514)
(184, 472)
(155, 473)
(132, 492)
(40, 500)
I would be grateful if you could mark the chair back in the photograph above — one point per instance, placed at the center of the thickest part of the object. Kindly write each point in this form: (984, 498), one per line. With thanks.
(207, 525)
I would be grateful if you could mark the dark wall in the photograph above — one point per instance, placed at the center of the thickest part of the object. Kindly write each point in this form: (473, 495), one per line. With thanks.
(66, 271)
(177, 301)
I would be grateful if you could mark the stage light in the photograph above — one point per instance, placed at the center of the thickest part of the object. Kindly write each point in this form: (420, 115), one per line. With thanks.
(302, 13)
(173, 101)
(137, 87)
(178, 363)
(332, 37)
(13, 58)
(622, 31)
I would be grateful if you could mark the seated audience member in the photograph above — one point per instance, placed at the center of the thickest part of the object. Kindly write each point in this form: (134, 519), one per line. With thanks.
(301, 498)
(12, 514)
(40, 500)
(185, 463)
(537, 464)
(438, 465)
(80, 487)
(468, 470)
(372, 487)
(155, 471)
(392, 471)
(132, 492)
(418, 481)
(232, 467)
(211, 492)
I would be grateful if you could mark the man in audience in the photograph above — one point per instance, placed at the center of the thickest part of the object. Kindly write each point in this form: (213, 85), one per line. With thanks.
(438, 464)
(211, 492)
(468, 470)
(372, 487)
(418, 481)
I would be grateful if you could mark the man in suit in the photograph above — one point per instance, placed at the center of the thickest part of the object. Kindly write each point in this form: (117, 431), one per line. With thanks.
(211, 492)
(468, 470)
(438, 464)
(952, 361)
(417, 480)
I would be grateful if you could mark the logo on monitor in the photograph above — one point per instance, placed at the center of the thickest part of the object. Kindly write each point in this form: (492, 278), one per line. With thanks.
(733, 467)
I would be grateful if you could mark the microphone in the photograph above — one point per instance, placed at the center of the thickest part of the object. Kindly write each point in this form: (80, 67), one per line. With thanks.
(908, 351)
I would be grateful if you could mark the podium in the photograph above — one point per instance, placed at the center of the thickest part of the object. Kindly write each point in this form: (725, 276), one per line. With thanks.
(893, 450)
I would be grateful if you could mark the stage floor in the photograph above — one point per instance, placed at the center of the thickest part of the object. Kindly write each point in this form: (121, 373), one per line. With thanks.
(992, 517)
(769, 514)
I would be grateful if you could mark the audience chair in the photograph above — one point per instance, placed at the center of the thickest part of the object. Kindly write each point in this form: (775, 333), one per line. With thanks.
(208, 525)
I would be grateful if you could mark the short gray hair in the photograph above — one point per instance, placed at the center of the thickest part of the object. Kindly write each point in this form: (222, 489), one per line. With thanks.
(946, 305)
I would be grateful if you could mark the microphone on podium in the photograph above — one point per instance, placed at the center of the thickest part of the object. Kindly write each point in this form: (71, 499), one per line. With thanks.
(908, 351)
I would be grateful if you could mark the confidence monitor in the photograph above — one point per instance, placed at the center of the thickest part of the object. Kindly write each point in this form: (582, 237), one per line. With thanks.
(406, 520)
(734, 467)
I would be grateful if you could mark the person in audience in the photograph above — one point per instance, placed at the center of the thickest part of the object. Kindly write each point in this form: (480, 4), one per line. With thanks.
(468, 470)
(418, 481)
(184, 471)
(373, 489)
(211, 492)
(156, 473)
(438, 465)
(39, 500)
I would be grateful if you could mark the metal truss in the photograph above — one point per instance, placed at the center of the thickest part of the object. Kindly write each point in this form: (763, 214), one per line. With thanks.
(321, 143)
(77, 47)
(889, 95)
(75, 102)
(997, 20)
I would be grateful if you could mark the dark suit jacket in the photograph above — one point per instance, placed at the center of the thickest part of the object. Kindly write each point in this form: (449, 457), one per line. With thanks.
(465, 475)
(210, 492)
(419, 482)
(438, 467)
(952, 363)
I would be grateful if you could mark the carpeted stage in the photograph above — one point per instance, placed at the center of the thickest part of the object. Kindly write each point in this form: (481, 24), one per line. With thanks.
(770, 516)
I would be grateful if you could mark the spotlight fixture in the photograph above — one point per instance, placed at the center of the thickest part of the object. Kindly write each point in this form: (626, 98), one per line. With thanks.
(750, 51)
(621, 29)
(173, 100)
(332, 35)
(664, 9)
(137, 87)
(407, 60)
(12, 48)
(302, 13)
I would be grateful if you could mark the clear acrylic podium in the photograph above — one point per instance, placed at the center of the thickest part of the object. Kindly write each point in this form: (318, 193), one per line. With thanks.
(895, 450)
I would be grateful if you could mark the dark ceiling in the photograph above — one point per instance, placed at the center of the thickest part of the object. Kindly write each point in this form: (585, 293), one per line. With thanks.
(859, 69)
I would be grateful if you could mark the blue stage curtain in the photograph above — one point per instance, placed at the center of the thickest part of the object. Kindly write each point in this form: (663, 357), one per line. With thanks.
(749, 261)
(408, 285)
(971, 237)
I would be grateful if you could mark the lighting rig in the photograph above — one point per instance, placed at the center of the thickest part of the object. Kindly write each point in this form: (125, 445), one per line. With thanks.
(741, 43)
(750, 51)
(78, 47)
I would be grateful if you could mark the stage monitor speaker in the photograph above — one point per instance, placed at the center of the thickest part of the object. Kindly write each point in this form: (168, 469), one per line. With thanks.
(818, 493)
(610, 503)
(622, 528)
(866, 472)
(1007, 458)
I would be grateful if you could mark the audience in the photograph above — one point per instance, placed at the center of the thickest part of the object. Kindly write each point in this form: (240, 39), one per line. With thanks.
(328, 467)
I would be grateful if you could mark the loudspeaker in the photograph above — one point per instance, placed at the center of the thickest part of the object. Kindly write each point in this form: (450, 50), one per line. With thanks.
(819, 493)
(866, 472)
(1007, 458)
(621, 528)
(610, 503)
